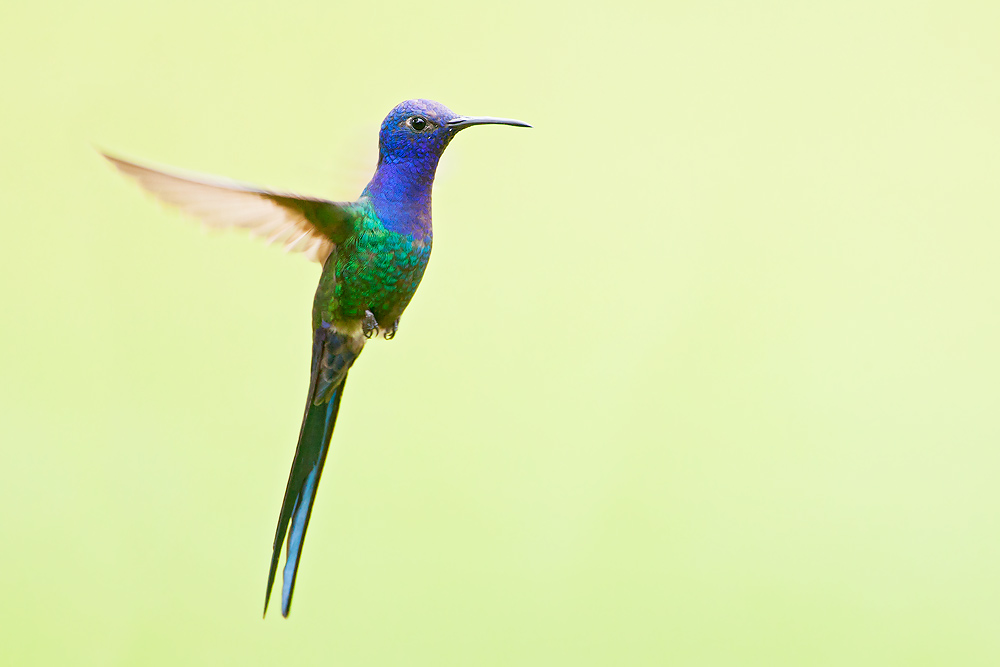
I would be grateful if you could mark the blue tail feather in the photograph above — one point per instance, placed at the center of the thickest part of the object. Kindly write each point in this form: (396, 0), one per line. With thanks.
(310, 454)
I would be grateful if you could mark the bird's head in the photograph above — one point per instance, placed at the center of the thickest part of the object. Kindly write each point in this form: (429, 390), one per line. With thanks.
(420, 130)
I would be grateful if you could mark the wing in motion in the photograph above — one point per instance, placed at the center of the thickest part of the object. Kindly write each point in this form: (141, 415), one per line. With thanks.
(304, 224)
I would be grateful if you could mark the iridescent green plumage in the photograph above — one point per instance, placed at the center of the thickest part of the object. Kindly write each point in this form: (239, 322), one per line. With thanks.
(375, 270)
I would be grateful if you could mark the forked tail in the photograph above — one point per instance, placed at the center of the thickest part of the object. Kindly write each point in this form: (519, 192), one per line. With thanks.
(333, 354)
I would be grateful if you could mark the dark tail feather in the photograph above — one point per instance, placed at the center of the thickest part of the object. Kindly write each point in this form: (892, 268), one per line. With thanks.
(330, 350)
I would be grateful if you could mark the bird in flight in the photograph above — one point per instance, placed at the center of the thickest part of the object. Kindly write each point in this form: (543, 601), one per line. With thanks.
(373, 252)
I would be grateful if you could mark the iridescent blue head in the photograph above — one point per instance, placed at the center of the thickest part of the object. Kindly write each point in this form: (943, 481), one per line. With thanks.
(420, 130)
(411, 141)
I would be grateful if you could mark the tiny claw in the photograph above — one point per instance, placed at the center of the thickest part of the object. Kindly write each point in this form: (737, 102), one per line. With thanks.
(391, 333)
(369, 325)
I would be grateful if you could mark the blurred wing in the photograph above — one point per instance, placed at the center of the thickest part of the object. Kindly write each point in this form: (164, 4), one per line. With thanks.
(303, 224)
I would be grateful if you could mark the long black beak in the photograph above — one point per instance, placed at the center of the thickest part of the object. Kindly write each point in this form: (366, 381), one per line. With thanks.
(462, 122)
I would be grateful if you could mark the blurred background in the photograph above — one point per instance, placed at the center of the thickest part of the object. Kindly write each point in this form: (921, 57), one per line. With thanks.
(703, 370)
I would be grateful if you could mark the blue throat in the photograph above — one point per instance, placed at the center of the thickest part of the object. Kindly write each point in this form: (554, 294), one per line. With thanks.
(400, 192)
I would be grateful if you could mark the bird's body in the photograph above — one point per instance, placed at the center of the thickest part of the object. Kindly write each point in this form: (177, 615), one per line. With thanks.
(373, 251)
(376, 270)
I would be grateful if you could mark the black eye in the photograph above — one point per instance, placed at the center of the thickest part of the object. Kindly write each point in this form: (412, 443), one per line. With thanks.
(418, 123)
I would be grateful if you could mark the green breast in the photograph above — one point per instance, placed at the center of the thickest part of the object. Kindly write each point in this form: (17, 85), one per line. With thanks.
(375, 269)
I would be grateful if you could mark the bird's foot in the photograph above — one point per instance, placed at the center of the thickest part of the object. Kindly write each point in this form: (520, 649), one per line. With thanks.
(369, 325)
(391, 333)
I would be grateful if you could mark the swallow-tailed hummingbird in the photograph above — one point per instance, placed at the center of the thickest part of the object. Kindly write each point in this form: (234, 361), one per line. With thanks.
(373, 252)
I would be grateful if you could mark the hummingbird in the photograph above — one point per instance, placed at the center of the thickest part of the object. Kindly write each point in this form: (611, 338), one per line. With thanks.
(373, 252)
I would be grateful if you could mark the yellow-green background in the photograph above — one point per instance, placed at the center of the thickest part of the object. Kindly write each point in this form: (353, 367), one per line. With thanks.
(704, 370)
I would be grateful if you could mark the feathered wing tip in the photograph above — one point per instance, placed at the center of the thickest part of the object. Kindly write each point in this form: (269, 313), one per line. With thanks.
(219, 203)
